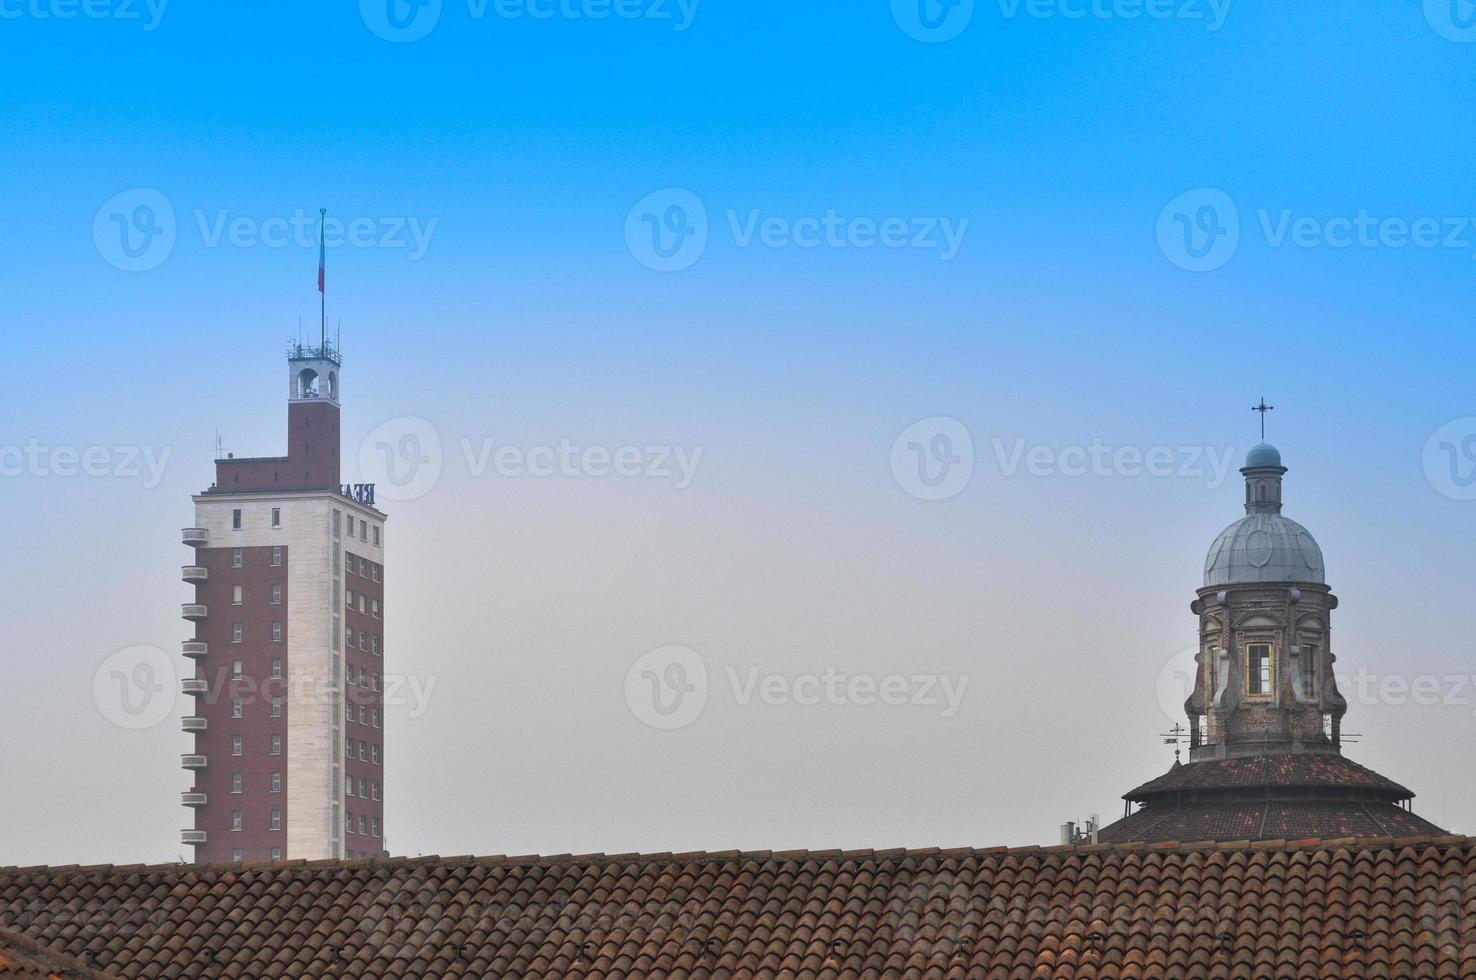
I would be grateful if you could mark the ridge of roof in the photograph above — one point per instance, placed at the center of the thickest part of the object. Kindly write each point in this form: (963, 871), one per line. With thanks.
(865, 854)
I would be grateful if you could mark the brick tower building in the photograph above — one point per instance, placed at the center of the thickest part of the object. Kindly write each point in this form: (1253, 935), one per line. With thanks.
(288, 645)
(1265, 715)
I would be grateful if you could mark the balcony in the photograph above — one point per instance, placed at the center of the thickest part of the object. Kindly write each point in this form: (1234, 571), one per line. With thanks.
(195, 537)
(192, 762)
(194, 574)
(196, 649)
(194, 723)
(193, 610)
(192, 797)
(194, 685)
(192, 837)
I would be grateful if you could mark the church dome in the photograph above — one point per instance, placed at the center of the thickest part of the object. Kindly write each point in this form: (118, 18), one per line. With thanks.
(1264, 546)
(1263, 455)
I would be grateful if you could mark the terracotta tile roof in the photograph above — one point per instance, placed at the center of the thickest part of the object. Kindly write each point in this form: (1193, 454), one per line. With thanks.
(1375, 908)
(1266, 820)
(21, 956)
(1304, 770)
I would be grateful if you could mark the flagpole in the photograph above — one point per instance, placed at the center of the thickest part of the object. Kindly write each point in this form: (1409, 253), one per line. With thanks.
(322, 283)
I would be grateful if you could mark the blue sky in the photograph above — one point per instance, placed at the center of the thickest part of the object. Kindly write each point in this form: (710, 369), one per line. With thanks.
(1059, 147)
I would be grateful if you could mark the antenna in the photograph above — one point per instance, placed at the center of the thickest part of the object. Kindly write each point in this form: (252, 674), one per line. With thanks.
(322, 278)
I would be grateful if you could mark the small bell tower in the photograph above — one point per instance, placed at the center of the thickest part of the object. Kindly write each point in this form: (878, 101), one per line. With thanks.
(314, 377)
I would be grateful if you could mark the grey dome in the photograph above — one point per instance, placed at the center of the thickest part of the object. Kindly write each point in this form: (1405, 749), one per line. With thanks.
(1263, 455)
(1264, 548)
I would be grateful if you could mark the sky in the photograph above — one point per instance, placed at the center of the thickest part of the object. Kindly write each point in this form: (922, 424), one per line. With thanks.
(884, 311)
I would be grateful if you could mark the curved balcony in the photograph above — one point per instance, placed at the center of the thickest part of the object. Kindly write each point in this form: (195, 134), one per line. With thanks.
(194, 723)
(194, 610)
(195, 537)
(192, 837)
(195, 648)
(192, 762)
(194, 574)
(194, 685)
(192, 797)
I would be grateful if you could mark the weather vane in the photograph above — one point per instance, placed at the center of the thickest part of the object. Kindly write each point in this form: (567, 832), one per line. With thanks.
(1263, 408)
(1176, 737)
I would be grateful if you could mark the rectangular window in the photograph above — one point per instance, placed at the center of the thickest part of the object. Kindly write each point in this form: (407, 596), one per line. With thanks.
(277, 555)
(348, 712)
(375, 570)
(376, 755)
(376, 646)
(238, 558)
(362, 824)
(276, 670)
(374, 826)
(1258, 670)
(374, 608)
(276, 707)
(235, 745)
(363, 568)
(236, 633)
(237, 595)
(235, 707)
(235, 854)
(236, 519)
(237, 670)
(363, 530)
(276, 854)
(348, 747)
(276, 782)
(348, 563)
(276, 594)
(363, 641)
(374, 789)
(349, 594)
(276, 632)
(376, 535)
(348, 823)
(276, 517)
(350, 519)
(348, 677)
(374, 717)
(337, 516)
(276, 819)
(363, 715)
(276, 745)
(235, 782)
(1309, 674)
(363, 787)
(361, 602)
(348, 785)
(235, 821)
(363, 756)
(363, 677)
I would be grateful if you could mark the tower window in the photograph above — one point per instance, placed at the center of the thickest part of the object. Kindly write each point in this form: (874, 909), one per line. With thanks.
(1258, 670)
(238, 558)
(276, 517)
(1309, 673)
(277, 555)
(236, 519)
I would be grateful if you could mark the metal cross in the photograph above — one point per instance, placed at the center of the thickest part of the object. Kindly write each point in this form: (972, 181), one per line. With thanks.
(1263, 408)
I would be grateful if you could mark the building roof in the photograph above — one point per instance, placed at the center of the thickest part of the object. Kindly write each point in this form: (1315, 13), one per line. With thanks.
(1281, 771)
(1404, 908)
(21, 956)
(1263, 456)
(1267, 819)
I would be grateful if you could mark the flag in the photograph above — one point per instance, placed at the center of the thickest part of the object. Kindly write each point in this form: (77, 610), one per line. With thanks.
(322, 252)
